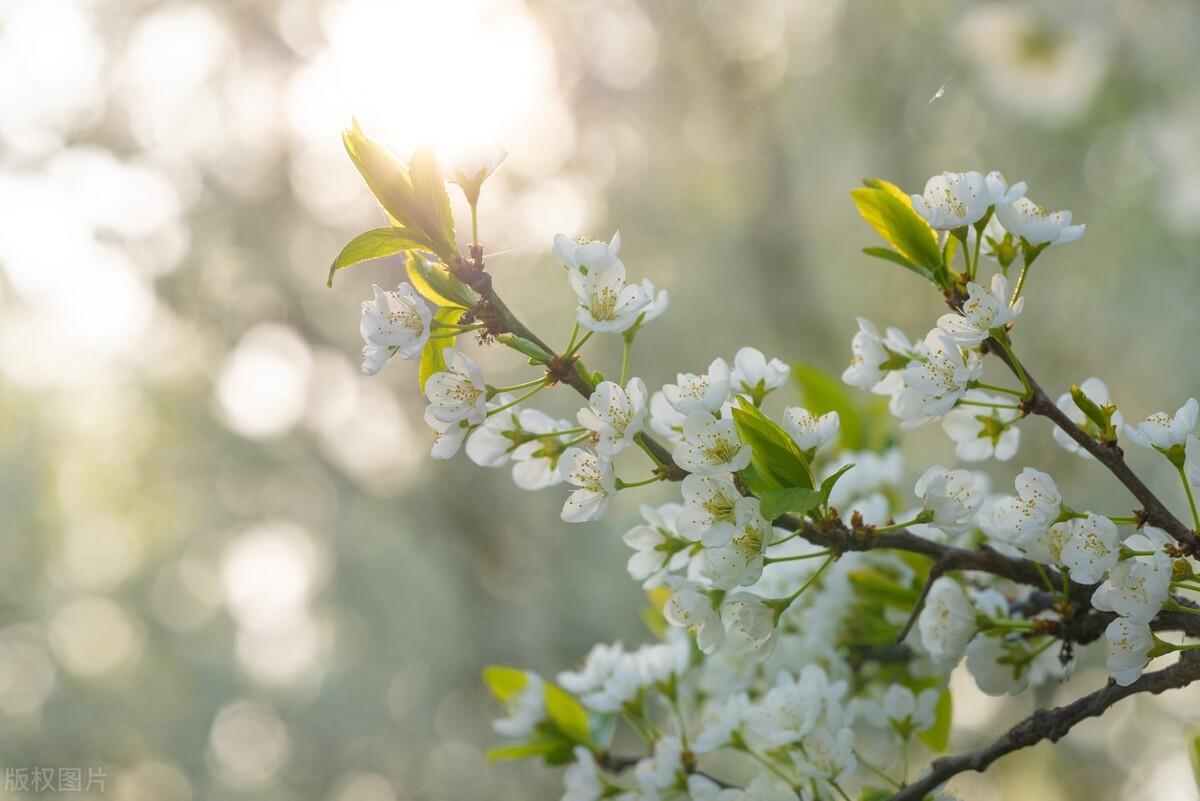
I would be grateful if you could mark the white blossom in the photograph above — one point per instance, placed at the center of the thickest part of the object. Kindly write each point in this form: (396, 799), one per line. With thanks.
(700, 393)
(794, 706)
(1164, 430)
(491, 444)
(953, 497)
(1129, 645)
(526, 709)
(608, 679)
(1137, 588)
(828, 754)
(749, 624)
(393, 322)
(665, 421)
(1024, 520)
(535, 463)
(1191, 465)
(447, 437)
(872, 356)
(808, 431)
(1096, 390)
(934, 385)
(909, 712)
(662, 771)
(755, 376)
(952, 200)
(594, 477)
(473, 165)
(947, 622)
(606, 302)
(979, 432)
(711, 446)
(740, 563)
(457, 393)
(616, 414)
(1087, 546)
(655, 544)
(582, 780)
(691, 608)
(719, 722)
(586, 255)
(1035, 223)
(709, 504)
(981, 312)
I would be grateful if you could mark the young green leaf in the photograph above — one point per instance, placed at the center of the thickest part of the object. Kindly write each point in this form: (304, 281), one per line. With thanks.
(828, 484)
(504, 682)
(799, 500)
(568, 714)
(890, 213)
(429, 188)
(937, 737)
(896, 258)
(386, 176)
(436, 284)
(776, 459)
(376, 244)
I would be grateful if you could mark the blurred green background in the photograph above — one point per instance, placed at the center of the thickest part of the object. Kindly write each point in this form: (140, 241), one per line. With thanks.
(228, 568)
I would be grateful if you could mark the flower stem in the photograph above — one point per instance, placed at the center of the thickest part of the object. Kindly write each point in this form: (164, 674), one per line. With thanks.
(1187, 487)
(549, 434)
(897, 526)
(629, 484)
(515, 387)
(877, 771)
(625, 353)
(1126, 520)
(773, 560)
(474, 226)
(541, 385)
(575, 348)
(986, 405)
(1002, 340)
(782, 604)
(993, 388)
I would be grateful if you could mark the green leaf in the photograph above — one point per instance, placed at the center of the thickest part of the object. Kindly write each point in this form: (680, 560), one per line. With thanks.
(430, 190)
(875, 794)
(531, 349)
(433, 359)
(882, 588)
(890, 213)
(504, 682)
(522, 750)
(568, 714)
(386, 176)
(828, 484)
(792, 499)
(896, 258)
(777, 461)
(392, 184)
(937, 737)
(376, 244)
(435, 282)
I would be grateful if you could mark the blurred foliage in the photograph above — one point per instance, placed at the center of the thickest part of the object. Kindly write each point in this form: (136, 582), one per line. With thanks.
(228, 568)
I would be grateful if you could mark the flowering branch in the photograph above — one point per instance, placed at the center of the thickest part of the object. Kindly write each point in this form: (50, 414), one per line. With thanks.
(1109, 454)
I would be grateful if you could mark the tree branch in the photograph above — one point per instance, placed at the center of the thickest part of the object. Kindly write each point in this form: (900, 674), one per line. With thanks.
(1108, 454)
(1051, 724)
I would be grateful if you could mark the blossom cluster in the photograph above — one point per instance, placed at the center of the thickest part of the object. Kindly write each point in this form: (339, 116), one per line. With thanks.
(818, 663)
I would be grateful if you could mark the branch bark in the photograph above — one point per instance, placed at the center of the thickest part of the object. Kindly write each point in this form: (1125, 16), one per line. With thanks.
(1051, 724)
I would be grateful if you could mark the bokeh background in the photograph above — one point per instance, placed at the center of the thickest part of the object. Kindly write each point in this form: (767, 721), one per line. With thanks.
(228, 568)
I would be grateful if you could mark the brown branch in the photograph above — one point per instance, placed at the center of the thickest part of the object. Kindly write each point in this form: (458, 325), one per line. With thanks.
(1108, 454)
(1051, 724)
